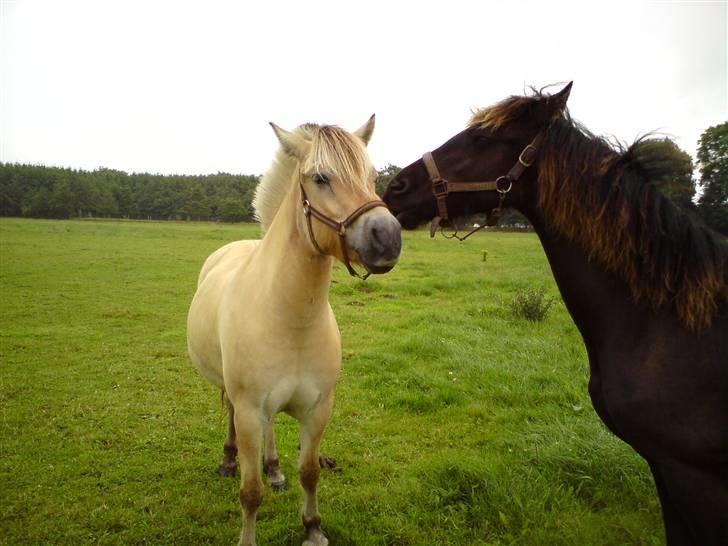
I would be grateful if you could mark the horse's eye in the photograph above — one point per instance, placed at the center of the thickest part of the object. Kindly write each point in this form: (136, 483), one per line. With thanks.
(320, 178)
(481, 138)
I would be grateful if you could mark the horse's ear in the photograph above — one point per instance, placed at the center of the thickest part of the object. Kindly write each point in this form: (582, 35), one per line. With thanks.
(557, 102)
(365, 131)
(293, 144)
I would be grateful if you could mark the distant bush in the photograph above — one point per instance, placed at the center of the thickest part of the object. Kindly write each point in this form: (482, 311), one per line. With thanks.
(531, 304)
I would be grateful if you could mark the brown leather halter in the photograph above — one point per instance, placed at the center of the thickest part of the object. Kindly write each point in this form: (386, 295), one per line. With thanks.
(442, 187)
(338, 227)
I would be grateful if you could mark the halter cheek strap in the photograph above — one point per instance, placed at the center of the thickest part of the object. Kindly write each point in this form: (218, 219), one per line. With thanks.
(442, 187)
(339, 227)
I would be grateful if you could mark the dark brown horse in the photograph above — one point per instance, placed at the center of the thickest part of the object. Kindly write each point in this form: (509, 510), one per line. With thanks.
(646, 286)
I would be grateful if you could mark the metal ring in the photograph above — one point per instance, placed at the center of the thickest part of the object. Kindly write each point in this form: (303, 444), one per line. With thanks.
(498, 184)
(530, 149)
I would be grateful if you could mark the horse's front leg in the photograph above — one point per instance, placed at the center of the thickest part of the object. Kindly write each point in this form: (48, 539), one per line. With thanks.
(271, 463)
(249, 434)
(312, 428)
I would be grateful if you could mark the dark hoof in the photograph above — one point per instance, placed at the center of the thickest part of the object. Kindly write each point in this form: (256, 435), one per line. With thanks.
(279, 487)
(227, 471)
(329, 463)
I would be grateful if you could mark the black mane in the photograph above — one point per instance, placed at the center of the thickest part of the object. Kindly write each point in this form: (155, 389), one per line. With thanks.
(599, 194)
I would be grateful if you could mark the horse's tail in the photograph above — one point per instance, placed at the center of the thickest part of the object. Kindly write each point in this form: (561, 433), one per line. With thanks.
(224, 402)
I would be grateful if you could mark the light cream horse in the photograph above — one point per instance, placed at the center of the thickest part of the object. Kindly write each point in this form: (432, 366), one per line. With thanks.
(260, 326)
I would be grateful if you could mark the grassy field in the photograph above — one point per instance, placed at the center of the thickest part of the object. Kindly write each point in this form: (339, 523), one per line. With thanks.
(455, 422)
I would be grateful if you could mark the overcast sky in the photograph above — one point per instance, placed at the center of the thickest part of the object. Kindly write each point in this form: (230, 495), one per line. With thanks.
(189, 87)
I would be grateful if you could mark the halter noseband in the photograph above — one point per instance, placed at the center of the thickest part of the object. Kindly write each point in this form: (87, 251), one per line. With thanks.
(442, 187)
(338, 227)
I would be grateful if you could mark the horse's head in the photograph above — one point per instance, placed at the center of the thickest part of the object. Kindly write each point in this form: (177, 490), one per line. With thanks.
(342, 215)
(477, 170)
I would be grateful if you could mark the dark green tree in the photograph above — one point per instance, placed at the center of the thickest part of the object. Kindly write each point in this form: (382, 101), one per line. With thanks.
(713, 163)
(676, 182)
(232, 209)
(195, 206)
(11, 192)
(124, 197)
(63, 200)
(384, 177)
(105, 205)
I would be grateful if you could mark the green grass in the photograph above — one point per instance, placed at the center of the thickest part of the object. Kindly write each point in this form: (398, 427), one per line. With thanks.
(455, 422)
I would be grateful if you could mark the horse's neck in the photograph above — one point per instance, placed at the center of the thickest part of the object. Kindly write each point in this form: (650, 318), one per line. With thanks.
(294, 276)
(597, 301)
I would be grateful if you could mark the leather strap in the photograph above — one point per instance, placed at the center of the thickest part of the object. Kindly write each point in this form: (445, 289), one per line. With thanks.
(339, 227)
(431, 166)
(526, 157)
(441, 187)
(471, 186)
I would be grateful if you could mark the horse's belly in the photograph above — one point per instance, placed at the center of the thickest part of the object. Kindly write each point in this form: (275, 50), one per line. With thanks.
(205, 352)
(203, 343)
(203, 318)
(660, 410)
(210, 369)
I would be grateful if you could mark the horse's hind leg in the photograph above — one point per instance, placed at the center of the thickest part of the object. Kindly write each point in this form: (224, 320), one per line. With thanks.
(312, 428)
(230, 450)
(271, 463)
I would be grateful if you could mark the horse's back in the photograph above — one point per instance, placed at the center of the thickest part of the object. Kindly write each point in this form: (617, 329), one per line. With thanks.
(204, 314)
(226, 256)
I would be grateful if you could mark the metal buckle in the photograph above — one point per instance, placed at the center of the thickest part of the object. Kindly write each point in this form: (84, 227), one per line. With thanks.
(531, 150)
(507, 188)
(441, 183)
(306, 207)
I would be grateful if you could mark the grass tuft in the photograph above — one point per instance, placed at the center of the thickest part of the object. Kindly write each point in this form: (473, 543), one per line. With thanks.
(531, 304)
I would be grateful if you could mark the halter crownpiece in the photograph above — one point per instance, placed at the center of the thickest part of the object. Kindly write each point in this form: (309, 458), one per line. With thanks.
(338, 227)
(442, 187)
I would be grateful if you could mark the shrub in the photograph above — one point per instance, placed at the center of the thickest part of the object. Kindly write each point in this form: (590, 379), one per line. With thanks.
(531, 304)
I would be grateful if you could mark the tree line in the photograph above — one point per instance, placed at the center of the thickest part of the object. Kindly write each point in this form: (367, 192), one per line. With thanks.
(53, 192)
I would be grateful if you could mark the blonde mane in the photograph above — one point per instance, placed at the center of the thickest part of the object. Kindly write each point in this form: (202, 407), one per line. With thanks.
(334, 151)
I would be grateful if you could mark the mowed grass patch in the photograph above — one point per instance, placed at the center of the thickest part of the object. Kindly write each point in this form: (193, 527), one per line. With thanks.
(455, 422)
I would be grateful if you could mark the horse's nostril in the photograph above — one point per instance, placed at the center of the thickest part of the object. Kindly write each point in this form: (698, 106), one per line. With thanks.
(384, 239)
(399, 186)
(377, 237)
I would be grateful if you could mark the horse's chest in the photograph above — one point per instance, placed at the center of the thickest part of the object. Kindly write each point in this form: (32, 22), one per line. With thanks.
(296, 396)
(291, 373)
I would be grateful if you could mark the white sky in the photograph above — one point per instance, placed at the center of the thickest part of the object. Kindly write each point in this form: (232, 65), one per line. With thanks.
(188, 87)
